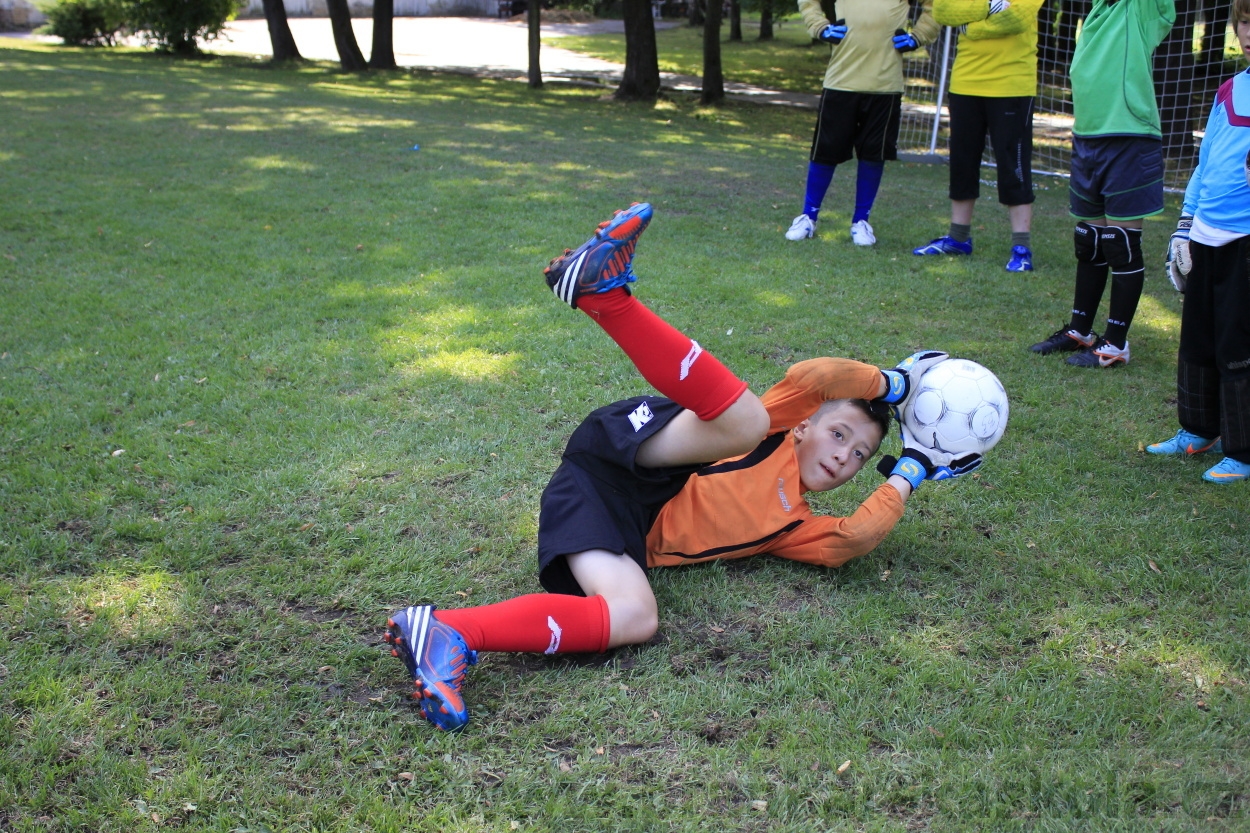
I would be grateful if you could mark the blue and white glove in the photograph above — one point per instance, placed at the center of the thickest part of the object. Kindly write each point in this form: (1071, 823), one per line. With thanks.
(834, 32)
(919, 464)
(905, 41)
(902, 379)
(997, 6)
(1179, 262)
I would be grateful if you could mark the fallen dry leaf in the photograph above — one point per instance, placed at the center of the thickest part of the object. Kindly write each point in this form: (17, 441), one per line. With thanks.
(406, 776)
(760, 805)
(885, 575)
(717, 630)
(844, 767)
(305, 527)
(1154, 567)
(935, 732)
(119, 452)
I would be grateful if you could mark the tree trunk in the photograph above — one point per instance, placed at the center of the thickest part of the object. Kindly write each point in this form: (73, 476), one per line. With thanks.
(350, 57)
(1046, 18)
(1211, 61)
(280, 37)
(696, 12)
(534, 17)
(1174, 75)
(766, 19)
(382, 54)
(735, 20)
(713, 73)
(641, 78)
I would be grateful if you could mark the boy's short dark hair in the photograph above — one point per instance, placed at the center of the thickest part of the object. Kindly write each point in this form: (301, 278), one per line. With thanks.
(875, 410)
(1240, 12)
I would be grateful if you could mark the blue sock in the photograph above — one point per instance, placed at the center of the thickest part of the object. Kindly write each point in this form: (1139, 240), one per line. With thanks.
(867, 181)
(818, 178)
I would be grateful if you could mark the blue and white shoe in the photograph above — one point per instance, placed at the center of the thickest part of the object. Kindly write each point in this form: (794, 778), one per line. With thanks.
(437, 657)
(604, 261)
(1227, 470)
(945, 245)
(1021, 259)
(1187, 443)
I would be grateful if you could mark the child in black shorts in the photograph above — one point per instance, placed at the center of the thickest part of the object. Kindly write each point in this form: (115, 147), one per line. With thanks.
(1116, 173)
(705, 470)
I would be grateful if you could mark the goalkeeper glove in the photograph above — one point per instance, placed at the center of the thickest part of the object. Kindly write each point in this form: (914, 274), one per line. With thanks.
(903, 378)
(905, 41)
(834, 32)
(997, 6)
(1179, 262)
(919, 463)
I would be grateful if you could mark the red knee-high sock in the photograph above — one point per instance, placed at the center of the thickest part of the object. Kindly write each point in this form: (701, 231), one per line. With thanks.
(545, 623)
(674, 363)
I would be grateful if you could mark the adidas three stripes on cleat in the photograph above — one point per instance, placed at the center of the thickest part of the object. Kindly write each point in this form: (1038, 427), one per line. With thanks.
(437, 657)
(604, 261)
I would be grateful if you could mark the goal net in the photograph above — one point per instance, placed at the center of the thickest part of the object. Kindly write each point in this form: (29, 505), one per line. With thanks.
(1197, 56)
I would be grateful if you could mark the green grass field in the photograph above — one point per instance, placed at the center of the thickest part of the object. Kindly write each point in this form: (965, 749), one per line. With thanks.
(268, 373)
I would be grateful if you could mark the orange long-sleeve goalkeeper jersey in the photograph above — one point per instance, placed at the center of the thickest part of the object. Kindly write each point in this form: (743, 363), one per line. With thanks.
(754, 503)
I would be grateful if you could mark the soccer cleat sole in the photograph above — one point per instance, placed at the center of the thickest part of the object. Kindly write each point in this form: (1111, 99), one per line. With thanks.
(440, 701)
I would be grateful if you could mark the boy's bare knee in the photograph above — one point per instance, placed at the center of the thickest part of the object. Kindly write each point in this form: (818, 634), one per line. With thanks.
(634, 621)
(748, 421)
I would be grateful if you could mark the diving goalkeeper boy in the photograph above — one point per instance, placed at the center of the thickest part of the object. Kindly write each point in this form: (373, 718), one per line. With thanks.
(704, 471)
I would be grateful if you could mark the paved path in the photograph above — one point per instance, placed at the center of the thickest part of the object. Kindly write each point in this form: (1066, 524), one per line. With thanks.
(477, 46)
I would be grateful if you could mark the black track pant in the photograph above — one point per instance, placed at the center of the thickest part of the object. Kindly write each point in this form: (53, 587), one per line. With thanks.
(1213, 368)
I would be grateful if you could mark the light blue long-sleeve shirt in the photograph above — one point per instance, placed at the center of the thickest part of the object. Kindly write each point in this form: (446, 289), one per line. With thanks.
(1218, 192)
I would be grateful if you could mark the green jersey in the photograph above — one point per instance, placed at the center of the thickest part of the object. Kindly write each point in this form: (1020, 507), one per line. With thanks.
(1113, 91)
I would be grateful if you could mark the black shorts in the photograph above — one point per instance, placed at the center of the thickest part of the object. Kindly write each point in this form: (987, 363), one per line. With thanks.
(866, 123)
(1009, 123)
(1117, 177)
(599, 497)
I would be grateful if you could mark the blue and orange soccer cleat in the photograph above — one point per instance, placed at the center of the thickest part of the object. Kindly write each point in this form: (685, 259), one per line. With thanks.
(1186, 442)
(604, 261)
(437, 658)
(944, 245)
(1227, 470)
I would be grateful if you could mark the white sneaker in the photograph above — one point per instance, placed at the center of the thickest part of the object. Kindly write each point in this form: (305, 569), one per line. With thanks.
(861, 234)
(802, 228)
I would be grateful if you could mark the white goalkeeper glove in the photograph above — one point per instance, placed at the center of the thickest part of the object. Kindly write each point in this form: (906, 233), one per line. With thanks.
(997, 6)
(1179, 262)
(901, 381)
(918, 464)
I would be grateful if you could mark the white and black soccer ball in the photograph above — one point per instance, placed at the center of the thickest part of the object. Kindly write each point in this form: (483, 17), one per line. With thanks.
(958, 407)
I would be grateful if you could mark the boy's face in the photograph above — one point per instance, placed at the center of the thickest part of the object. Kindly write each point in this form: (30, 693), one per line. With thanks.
(1242, 28)
(833, 448)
